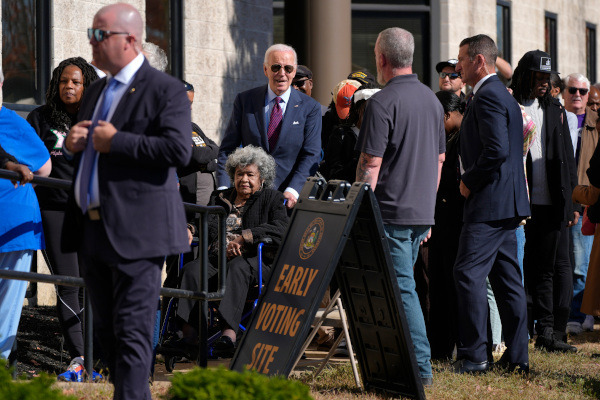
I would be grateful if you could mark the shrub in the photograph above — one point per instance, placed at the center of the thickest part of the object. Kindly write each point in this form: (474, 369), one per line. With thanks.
(34, 389)
(223, 384)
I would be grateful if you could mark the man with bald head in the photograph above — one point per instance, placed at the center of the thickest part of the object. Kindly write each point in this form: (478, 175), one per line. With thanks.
(125, 212)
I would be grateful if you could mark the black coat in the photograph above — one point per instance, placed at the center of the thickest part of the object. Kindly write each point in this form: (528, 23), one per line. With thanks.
(561, 171)
(265, 216)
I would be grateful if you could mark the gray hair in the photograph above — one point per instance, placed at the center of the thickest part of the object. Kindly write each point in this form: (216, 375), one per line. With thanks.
(280, 47)
(244, 156)
(156, 56)
(577, 77)
(398, 46)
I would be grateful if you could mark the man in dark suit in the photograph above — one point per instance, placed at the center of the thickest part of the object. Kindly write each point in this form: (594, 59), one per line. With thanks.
(284, 122)
(126, 214)
(493, 183)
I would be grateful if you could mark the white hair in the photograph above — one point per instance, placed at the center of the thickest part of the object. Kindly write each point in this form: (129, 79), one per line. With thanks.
(577, 77)
(156, 56)
(280, 47)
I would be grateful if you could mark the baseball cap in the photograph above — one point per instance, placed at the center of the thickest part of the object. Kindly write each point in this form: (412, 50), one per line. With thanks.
(363, 77)
(443, 64)
(302, 72)
(538, 61)
(342, 96)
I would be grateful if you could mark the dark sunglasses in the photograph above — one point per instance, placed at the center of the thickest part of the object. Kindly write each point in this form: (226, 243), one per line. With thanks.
(451, 75)
(582, 91)
(100, 35)
(287, 68)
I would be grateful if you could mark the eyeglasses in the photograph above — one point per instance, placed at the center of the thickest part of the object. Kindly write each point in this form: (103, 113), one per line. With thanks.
(287, 68)
(300, 82)
(582, 91)
(451, 75)
(100, 35)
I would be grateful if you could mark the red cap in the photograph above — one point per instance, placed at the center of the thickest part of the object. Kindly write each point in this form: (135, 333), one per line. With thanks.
(342, 96)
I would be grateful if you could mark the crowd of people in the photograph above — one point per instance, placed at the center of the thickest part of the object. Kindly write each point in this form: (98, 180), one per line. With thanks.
(489, 186)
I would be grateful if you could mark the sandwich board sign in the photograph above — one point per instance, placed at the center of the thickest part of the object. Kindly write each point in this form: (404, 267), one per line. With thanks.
(336, 228)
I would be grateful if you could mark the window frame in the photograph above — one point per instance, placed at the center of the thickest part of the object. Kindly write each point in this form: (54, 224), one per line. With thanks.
(552, 47)
(590, 52)
(506, 29)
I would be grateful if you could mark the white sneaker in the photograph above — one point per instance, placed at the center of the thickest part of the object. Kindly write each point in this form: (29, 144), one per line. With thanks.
(588, 324)
(574, 328)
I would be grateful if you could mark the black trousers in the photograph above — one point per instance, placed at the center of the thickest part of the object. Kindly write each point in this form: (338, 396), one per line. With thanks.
(124, 294)
(68, 302)
(547, 269)
(242, 273)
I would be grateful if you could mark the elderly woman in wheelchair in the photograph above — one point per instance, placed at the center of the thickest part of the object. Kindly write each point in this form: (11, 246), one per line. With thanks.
(255, 212)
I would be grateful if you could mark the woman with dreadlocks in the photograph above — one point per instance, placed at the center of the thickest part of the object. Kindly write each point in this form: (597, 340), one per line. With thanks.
(551, 177)
(52, 122)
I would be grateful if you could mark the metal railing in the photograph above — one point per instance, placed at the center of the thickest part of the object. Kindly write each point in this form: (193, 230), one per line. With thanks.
(203, 295)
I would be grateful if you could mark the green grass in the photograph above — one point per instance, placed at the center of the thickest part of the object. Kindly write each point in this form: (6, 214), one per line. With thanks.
(553, 376)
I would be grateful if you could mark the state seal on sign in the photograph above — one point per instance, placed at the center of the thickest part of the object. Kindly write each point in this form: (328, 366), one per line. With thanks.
(311, 238)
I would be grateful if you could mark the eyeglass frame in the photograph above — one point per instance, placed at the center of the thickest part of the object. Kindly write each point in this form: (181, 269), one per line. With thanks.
(573, 90)
(94, 33)
(443, 75)
(275, 68)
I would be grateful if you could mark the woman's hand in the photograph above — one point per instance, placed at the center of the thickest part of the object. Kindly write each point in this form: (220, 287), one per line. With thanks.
(234, 247)
(26, 174)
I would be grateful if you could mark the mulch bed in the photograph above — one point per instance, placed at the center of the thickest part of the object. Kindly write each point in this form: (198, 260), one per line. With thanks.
(39, 342)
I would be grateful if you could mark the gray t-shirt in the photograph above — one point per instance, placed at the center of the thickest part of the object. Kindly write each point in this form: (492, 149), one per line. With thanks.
(404, 124)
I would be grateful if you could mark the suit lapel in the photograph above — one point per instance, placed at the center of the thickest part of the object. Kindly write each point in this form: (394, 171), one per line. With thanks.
(123, 110)
(290, 116)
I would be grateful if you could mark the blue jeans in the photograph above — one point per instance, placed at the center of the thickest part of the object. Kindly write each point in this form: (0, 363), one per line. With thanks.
(404, 243)
(12, 293)
(521, 249)
(495, 321)
(582, 247)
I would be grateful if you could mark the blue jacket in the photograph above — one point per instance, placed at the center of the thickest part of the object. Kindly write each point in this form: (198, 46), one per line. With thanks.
(141, 208)
(298, 149)
(491, 151)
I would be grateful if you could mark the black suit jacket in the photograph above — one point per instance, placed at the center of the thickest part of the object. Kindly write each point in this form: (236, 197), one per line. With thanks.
(561, 171)
(491, 151)
(141, 209)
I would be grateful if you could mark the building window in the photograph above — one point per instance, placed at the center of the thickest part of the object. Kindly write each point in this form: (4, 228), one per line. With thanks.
(550, 44)
(503, 29)
(366, 25)
(164, 28)
(25, 56)
(590, 51)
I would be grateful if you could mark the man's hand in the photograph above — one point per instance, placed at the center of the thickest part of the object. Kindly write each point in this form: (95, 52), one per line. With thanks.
(102, 136)
(77, 138)
(464, 190)
(26, 174)
(426, 237)
(575, 219)
(291, 199)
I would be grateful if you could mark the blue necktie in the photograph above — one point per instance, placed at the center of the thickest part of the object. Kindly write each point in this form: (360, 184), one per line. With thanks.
(89, 152)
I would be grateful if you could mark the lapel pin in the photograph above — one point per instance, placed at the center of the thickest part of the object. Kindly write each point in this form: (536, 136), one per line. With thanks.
(296, 105)
(132, 90)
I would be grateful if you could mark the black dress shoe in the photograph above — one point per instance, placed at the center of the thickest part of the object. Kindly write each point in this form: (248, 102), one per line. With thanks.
(549, 342)
(468, 367)
(223, 347)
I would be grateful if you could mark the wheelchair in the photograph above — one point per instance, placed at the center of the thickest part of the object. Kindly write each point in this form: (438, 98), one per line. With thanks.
(172, 356)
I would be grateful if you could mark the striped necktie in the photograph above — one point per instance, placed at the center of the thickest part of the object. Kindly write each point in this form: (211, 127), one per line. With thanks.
(275, 124)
